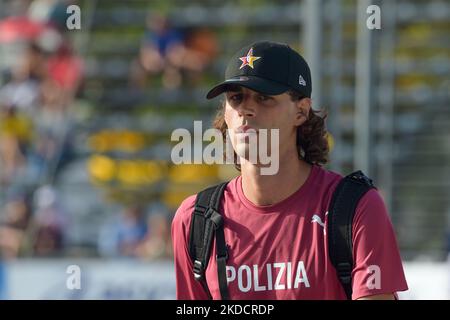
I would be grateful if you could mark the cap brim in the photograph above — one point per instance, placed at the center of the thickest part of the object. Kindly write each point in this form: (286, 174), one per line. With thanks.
(251, 82)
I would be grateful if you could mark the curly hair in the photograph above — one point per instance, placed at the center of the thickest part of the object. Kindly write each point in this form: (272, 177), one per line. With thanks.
(312, 142)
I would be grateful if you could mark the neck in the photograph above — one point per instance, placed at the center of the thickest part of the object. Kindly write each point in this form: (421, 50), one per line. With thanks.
(263, 190)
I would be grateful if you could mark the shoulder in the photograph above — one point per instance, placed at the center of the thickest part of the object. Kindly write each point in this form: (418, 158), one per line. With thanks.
(372, 210)
(184, 211)
(183, 214)
(371, 207)
(323, 175)
(325, 181)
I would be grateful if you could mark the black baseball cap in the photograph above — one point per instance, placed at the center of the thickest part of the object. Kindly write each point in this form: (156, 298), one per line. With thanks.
(268, 67)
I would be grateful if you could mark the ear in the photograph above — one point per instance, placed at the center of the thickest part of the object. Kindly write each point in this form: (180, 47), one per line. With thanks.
(303, 108)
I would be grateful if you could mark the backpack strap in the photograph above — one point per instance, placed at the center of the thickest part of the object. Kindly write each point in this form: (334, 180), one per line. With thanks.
(205, 223)
(342, 208)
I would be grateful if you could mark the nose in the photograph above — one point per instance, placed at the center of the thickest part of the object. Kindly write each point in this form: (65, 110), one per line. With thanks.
(247, 108)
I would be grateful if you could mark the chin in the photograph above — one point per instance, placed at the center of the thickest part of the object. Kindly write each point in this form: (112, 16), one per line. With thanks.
(243, 151)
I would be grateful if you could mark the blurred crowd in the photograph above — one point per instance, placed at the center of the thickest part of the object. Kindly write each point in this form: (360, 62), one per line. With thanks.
(136, 233)
(172, 56)
(41, 78)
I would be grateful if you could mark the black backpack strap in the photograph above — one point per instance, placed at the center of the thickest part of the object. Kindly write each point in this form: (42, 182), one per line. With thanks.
(340, 218)
(207, 222)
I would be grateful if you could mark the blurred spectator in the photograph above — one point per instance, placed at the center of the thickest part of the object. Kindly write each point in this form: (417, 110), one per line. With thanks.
(18, 100)
(15, 134)
(200, 50)
(65, 69)
(122, 236)
(41, 10)
(49, 223)
(33, 62)
(157, 243)
(161, 51)
(22, 91)
(177, 56)
(15, 219)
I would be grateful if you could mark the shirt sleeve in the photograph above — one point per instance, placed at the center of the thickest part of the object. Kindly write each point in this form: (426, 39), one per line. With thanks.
(187, 288)
(378, 267)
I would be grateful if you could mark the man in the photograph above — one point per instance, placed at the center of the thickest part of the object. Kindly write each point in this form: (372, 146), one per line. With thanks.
(275, 225)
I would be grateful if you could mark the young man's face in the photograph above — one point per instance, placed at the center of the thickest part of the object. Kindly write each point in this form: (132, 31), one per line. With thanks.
(247, 109)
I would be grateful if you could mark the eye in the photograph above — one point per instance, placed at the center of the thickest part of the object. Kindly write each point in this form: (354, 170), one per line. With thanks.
(235, 98)
(263, 97)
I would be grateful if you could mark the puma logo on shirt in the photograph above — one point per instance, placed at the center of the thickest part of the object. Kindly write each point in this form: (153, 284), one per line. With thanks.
(318, 220)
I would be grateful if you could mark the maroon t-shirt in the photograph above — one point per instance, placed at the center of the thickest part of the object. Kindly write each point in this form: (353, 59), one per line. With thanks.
(281, 251)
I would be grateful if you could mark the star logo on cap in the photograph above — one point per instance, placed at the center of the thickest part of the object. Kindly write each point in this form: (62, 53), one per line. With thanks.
(248, 60)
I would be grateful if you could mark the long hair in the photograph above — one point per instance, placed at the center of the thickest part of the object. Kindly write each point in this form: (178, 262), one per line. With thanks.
(312, 142)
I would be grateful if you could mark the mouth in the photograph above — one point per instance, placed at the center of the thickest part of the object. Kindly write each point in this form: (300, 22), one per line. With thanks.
(246, 129)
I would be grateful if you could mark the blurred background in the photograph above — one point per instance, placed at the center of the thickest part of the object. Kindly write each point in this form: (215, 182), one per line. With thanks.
(86, 117)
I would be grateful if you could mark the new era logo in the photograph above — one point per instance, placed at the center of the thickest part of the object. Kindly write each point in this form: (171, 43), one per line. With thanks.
(301, 81)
